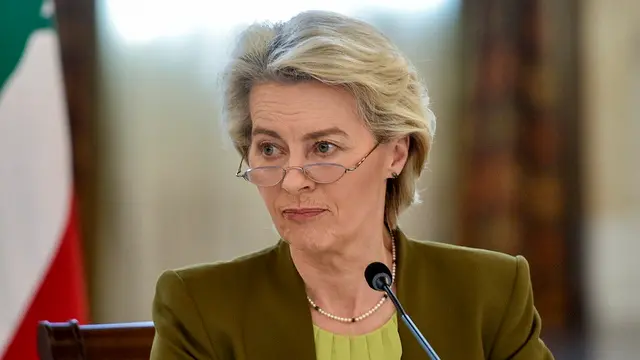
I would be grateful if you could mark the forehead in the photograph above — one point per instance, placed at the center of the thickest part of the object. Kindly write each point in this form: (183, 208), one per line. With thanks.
(306, 106)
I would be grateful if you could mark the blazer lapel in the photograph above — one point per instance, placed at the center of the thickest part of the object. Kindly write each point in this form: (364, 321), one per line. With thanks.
(277, 321)
(413, 278)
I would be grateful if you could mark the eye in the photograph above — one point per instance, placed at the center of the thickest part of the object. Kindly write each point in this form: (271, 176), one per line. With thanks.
(268, 149)
(324, 147)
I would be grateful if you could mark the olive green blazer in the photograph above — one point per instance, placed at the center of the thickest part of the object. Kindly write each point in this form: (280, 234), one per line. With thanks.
(470, 304)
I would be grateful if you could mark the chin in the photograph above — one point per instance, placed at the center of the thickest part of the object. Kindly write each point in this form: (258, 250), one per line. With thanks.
(308, 236)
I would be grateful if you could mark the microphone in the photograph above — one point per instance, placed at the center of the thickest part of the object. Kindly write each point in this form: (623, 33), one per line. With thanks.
(378, 277)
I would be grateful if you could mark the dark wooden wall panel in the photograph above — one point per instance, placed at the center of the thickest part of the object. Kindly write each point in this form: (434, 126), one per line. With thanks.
(520, 184)
(76, 24)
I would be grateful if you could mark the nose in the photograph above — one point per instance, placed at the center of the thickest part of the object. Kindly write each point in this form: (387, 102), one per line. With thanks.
(295, 181)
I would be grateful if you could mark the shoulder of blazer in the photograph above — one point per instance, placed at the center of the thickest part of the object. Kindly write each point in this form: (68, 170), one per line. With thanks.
(229, 277)
(217, 296)
(451, 255)
(479, 281)
(221, 290)
(483, 275)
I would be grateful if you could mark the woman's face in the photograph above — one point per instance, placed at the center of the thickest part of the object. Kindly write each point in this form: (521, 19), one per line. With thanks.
(309, 122)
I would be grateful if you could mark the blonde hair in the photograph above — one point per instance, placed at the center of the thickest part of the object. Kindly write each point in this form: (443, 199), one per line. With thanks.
(339, 51)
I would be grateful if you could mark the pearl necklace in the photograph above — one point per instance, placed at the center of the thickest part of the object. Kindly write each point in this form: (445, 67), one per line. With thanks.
(373, 309)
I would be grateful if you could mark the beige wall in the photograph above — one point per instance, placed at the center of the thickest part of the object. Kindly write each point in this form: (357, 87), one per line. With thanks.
(168, 196)
(612, 158)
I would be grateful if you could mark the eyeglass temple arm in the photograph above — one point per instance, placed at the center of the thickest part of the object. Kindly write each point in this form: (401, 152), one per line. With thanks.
(239, 172)
(363, 159)
(356, 165)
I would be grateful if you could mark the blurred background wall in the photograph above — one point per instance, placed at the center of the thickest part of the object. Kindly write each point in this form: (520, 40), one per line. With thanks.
(611, 73)
(160, 179)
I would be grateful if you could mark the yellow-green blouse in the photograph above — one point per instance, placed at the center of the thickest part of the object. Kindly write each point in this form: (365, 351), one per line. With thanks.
(380, 344)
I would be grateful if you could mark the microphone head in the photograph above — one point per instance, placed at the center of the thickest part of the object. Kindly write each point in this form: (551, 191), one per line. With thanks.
(378, 276)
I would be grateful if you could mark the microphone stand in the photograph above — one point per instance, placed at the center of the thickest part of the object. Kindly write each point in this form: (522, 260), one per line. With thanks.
(412, 327)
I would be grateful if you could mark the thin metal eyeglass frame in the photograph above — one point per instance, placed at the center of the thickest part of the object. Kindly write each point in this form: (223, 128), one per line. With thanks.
(303, 168)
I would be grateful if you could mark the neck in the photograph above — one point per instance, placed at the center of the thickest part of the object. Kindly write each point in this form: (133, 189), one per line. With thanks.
(335, 279)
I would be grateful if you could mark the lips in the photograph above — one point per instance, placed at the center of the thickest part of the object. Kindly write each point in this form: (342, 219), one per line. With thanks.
(302, 213)
(303, 210)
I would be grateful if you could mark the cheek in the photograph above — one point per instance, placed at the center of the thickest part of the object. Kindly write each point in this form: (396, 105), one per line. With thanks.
(358, 190)
(269, 196)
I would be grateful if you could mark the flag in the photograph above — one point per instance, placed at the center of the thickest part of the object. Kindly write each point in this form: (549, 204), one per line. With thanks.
(41, 275)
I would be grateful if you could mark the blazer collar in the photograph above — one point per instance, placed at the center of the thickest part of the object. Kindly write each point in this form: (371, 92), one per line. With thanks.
(281, 328)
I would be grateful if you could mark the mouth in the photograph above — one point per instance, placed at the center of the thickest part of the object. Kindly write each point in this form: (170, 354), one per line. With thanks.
(300, 214)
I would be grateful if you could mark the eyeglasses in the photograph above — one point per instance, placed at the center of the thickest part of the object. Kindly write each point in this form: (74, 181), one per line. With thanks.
(321, 173)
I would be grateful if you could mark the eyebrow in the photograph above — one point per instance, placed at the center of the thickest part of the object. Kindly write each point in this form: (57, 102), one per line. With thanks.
(259, 130)
(310, 136)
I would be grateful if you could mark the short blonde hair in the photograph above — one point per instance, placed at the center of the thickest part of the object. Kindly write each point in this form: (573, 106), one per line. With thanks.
(339, 51)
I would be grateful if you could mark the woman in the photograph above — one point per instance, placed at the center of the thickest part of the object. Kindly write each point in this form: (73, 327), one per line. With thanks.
(333, 125)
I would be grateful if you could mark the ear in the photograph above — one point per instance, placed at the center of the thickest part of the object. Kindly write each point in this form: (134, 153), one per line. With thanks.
(399, 154)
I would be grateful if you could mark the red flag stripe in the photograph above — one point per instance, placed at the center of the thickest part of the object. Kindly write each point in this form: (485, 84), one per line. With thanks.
(60, 297)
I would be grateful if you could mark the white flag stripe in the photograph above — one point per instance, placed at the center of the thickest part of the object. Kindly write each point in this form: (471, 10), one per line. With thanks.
(35, 176)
